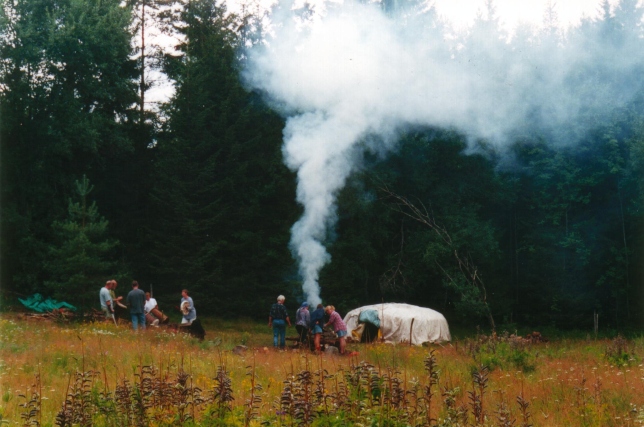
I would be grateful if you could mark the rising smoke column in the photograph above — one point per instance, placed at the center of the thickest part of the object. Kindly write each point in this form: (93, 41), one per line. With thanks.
(354, 78)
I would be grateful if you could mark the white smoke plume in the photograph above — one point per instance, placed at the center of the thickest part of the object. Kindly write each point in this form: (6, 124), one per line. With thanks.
(354, 73)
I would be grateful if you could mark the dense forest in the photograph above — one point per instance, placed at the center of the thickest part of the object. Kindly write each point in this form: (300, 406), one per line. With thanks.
(97, 183)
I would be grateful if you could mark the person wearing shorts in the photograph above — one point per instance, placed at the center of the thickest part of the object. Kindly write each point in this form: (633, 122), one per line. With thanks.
(317, 321)
(338, 326)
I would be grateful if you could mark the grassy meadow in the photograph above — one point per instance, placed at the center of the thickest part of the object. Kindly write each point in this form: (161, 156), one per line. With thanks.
(103, 375)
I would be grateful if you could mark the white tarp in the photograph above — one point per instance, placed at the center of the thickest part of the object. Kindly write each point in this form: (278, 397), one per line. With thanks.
(396, 323)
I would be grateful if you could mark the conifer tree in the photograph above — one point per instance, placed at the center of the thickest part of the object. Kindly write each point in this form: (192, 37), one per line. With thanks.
(80, 259)
(67, 100)
(223, 200)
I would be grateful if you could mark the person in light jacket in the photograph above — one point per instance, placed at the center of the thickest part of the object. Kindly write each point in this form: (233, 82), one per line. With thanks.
(187, 308)
(302, 321)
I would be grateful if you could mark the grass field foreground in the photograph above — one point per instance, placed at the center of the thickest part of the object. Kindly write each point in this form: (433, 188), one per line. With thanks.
(103, 375)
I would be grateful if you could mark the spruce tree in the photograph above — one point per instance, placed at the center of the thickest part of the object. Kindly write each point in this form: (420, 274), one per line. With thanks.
(80, 259)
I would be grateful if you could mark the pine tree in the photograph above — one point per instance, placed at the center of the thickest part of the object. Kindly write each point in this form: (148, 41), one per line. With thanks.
(81, 258)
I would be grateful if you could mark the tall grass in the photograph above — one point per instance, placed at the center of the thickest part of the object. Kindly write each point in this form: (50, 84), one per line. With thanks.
(102, 375)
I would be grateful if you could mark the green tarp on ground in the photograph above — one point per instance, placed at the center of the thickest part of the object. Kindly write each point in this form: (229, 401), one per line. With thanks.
(37, 303)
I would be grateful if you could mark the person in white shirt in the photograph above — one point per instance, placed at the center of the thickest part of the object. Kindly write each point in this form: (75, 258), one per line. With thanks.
(107, 303)
(152, 313)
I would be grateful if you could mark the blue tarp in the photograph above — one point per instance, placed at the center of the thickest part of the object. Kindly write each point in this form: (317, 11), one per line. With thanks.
(37, 303)
(369, 316)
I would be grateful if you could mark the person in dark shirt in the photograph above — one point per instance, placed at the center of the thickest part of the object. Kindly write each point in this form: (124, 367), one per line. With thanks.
(277, 319)
(136, 301)
(317, 322)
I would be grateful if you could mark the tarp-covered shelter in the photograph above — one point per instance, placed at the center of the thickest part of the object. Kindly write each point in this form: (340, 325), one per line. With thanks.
(38, 303)
(395, 322)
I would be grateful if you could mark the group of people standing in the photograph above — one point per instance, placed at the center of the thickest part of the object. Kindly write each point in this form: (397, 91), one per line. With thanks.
(306, 323)
(143, 308)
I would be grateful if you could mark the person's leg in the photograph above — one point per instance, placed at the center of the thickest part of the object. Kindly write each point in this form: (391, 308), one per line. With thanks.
(276, 331)
(343, 344)
(135, 320)
(317, 342)
(141, 321)
(283, 336)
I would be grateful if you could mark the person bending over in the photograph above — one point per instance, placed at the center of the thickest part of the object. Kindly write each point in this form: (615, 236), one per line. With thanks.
(339, 327)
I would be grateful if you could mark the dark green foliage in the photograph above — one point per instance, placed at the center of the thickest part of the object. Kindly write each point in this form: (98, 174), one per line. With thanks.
(406, 259)
(222, 199)
(66, 95)
(82, 255)
(553, 234)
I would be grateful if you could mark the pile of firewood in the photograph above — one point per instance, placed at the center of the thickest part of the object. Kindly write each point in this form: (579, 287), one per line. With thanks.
(536, 337)
(328, 338)
(513, 339)
(57, 315)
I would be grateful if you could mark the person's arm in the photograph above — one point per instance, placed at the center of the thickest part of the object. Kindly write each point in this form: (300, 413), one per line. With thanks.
(109, 305)
(331, 320)
(288, 320)
(270, 321)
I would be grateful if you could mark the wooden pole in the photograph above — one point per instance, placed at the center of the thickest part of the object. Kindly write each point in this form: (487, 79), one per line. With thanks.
(411, 329)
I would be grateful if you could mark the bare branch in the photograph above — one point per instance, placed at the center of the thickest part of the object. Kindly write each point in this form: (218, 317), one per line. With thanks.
(418, 212)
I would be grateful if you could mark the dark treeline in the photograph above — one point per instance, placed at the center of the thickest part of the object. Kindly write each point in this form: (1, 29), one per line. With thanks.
(195, 194)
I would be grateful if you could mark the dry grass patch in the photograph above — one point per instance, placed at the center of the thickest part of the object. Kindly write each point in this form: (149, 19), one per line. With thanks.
(99, 374)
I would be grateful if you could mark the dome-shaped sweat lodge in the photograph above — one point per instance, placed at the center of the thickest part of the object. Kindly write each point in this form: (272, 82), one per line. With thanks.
(397, 323)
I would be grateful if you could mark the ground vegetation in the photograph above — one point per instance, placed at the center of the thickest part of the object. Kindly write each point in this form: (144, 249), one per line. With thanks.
(547, 231)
